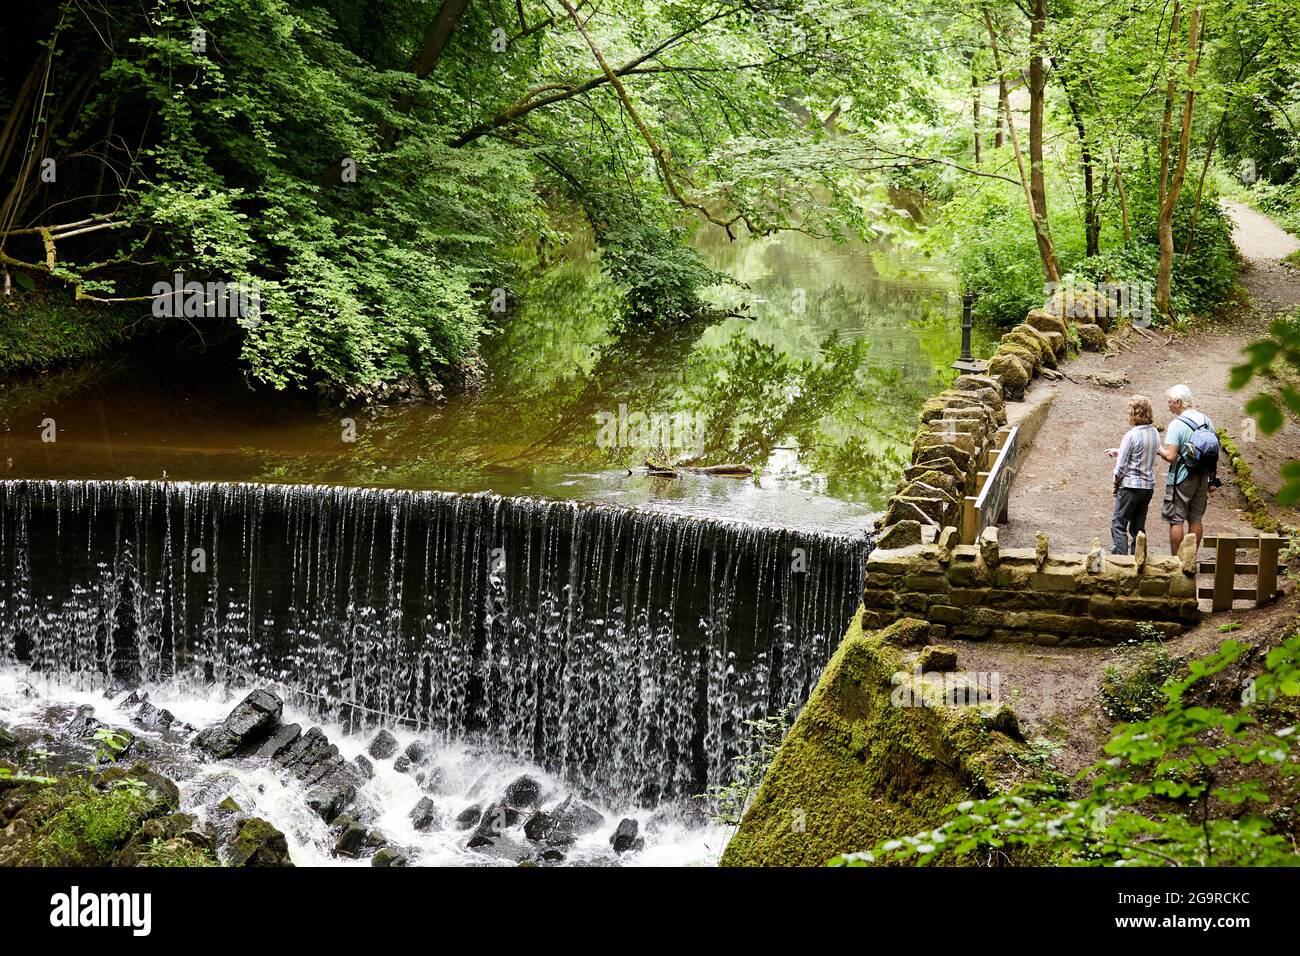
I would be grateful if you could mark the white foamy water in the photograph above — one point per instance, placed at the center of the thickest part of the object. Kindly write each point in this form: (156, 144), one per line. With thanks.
(465, 774)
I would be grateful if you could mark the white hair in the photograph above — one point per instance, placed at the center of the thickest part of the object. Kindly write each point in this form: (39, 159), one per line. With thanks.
(1181, 394)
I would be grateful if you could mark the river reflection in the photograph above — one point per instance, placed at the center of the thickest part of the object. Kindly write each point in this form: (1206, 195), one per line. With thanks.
(815, 381)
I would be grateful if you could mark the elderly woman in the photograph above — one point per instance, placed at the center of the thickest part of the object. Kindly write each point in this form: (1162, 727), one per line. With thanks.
(1135, 478)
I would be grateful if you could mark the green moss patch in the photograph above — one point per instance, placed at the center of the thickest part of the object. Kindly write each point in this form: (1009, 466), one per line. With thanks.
(855, 769)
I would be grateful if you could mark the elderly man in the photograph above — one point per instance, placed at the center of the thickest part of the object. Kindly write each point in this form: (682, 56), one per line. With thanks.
(1186, 490)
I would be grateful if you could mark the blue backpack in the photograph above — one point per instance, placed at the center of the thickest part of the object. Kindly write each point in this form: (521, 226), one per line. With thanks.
(1201, 453)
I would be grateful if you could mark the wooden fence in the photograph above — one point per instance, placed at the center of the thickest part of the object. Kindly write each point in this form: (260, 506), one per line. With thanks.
(1225, 567)
(988, 505)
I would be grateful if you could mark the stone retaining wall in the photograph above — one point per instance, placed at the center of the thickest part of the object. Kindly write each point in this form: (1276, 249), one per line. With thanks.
(959, 425)
(1026, 595)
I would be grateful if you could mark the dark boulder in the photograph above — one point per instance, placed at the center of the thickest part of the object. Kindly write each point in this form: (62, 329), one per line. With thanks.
(355, 839)
(150, 717)
(275, 743)
(84, 724)
(523, 793)
(332, 782)
(424, 815)
(494, 822)
(402, 764)
(252, 720)
(383, 746)
(539, 826)
(625, 837)
(469, 817)
(577, 818)
(364, 766)
(418, 752)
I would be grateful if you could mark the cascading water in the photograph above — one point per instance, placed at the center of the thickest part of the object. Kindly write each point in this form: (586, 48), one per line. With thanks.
(622, 651)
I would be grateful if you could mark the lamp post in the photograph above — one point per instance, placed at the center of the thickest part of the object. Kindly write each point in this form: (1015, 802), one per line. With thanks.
(967, 363)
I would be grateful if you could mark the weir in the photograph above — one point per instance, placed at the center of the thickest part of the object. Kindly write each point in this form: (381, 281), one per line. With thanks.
(622, 649)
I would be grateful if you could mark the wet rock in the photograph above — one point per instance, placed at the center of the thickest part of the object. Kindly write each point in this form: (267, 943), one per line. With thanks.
(469, 817)
(383, 746)
(503, 846)
(523, 793)
(390, 857)
(402, 764)
(364, 767)
(332, 782)
(624, 838)
(7, 740)
(149, 717)
(553, 855)
(118, 687)
(495, 820)
(539, 826)
(575, 818)
(84, 724)
(355, 839)
(252, 720)
(277, 743)
(417, 752)
(424, 815)
(432, 782)
(257, 843)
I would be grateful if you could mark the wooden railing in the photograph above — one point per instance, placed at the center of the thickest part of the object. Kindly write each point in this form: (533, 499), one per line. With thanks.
(1225, 567)
(988, 505)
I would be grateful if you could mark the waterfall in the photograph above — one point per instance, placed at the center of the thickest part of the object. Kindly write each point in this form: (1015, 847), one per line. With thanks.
(621, 649)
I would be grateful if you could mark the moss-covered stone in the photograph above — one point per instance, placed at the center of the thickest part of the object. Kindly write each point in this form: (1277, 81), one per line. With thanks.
(259, 843)
(855, 769)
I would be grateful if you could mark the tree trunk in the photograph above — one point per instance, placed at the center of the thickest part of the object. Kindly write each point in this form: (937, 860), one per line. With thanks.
(1091, 214)
(975, 90)
(1037, 88)
(1046, 252)
(1169, 194)
(999, 138)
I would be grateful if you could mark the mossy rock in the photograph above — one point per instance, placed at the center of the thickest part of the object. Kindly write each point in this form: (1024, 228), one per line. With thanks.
(1091, 337)
(1026, 352)
(1028, 333)
(258, 843)
(1013, 373)
(1046, 321)
(855, 770)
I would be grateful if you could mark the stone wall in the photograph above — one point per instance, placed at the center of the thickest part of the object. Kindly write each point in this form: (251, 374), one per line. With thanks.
(1026, 595)
(960, 424)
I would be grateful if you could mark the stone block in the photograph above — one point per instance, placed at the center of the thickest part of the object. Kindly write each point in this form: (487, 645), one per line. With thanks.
(946, 614)
(903, 534)
(937, 658)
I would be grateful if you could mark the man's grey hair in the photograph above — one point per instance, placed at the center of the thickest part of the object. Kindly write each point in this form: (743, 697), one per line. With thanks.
(1181, 394)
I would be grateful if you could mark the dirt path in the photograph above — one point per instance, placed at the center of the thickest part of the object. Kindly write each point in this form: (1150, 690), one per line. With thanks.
(1065, 486)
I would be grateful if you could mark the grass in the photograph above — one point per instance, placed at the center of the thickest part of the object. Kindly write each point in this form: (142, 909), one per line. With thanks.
(39, 330)
(91, 825)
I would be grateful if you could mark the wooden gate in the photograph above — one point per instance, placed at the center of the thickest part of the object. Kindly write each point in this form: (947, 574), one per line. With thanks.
(1225, 567)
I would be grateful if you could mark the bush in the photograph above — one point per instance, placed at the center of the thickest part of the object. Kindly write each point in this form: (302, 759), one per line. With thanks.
(1131, 687)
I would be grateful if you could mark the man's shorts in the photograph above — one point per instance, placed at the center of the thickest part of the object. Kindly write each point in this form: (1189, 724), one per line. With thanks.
(1185, 501)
